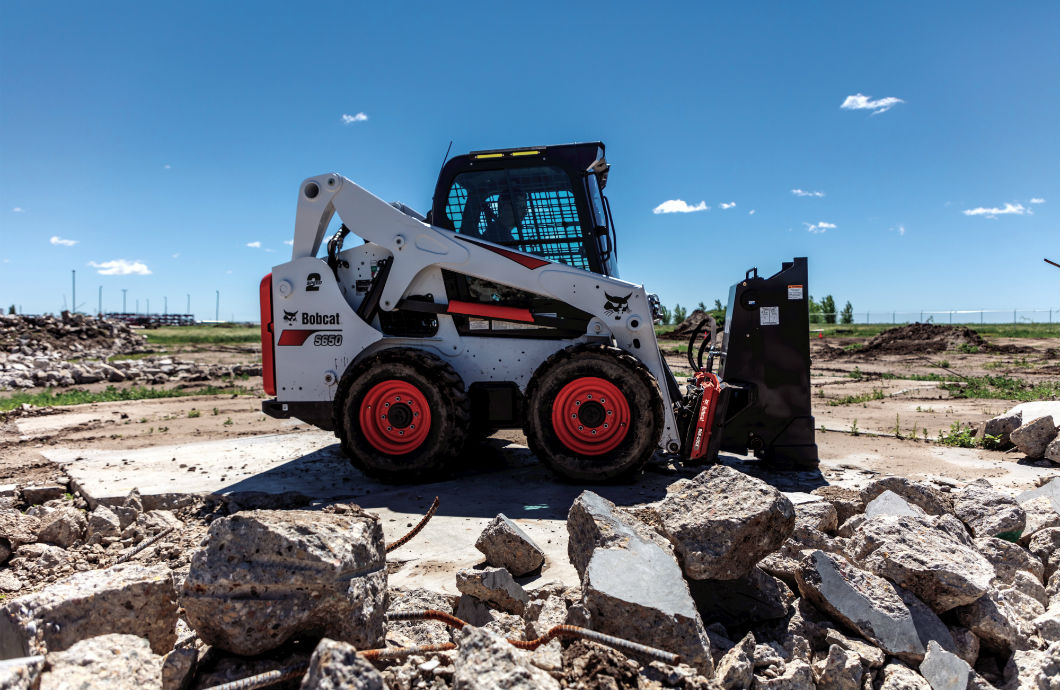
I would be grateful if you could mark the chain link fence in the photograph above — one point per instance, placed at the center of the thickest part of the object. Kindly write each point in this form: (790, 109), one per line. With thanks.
(961, 316)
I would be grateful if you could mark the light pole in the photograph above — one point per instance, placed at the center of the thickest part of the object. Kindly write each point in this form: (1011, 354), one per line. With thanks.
(123, 291)
(73, 279)
(188, 309)
(217, 307)
(165, 306)
(99, 312)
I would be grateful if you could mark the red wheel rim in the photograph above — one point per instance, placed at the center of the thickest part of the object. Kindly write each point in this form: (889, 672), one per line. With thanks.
(590, 416)
(395, 417)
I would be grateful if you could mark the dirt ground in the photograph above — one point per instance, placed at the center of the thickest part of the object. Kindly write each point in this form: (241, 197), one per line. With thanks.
(904, 408)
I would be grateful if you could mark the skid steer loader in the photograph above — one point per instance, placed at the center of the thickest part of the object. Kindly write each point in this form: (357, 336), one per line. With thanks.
(502, 308)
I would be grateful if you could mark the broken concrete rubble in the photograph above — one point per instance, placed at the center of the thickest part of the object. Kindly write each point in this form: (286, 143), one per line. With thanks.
(1034, 669)
(755, 598)
(1008, 558)
(723, 522)
(944, 670)
(818, 515)
(735, 670)
(1045, 545)
(494, 585)
(62, 525)
(129, 599)
(1033, 437)
(506, 545)
(988, 512)
(419, 632)
(485, 661)
(912, 553)
(595, 522)
(869, 605)
(996, 621)
(264, 576)
(102, 663)
(336, 665)
(897, 676)
(890, 503)
(927, 498)
(1040, 514)
(839, 670)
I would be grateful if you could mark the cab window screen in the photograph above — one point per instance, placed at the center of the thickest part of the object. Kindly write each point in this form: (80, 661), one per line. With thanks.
(530, 209)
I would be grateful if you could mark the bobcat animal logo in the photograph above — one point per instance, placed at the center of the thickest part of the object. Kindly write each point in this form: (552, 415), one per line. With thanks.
(290, 316)
(616, 305)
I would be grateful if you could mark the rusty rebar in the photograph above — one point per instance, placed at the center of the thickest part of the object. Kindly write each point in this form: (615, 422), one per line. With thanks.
(143, 545)
(263, 680)
(574, 631)
(293, 671)
(415, 530)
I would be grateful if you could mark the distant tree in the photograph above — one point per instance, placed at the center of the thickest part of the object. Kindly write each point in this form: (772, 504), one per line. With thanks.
(718, 306)
(665, 315)
(11, 309)
(702, 306)
(679, 313)
(815, 310)
(847, 315)
(828, 309)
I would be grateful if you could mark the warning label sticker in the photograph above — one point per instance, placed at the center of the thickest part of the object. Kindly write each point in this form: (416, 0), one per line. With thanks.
(770, 316)
(478, 324)
(794, 292)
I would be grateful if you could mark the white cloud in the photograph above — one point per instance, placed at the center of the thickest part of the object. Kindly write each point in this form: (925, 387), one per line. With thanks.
(289, 243)
(818, 228)
(167, 166)
(729, 205)
(228, 272)
(121, 267)
(59, 241)
(751, 212)
(254, 245)
(177, 255)
(1037, 200)
(900, 229)
(679, 206)
(18, 209)
(1009, 209)
(270, 251)
(350, 119)
(803, 192)
(862, 102)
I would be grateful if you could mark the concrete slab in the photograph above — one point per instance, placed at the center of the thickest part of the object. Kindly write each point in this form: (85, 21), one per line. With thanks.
(37, 427)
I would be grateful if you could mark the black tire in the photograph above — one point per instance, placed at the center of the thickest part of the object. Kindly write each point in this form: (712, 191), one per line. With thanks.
(643, 408)
(440, 390)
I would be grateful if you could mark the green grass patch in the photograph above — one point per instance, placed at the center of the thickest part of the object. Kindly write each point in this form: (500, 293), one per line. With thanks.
(876, 394)
(203, 334)
(987, 330)
(1001, 388)
(138, 355)
(110, 394)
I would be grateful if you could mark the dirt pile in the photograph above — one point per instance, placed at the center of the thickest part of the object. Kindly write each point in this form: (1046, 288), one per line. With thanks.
(68, 335)
(684, 329)
(919, 338)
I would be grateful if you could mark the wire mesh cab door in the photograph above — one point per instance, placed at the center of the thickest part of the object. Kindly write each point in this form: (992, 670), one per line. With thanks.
(540, 202)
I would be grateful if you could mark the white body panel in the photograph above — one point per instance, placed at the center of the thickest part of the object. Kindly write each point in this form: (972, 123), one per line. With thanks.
(309, 372)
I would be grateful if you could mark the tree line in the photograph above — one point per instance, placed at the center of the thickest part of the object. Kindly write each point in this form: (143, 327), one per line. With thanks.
(823, 311)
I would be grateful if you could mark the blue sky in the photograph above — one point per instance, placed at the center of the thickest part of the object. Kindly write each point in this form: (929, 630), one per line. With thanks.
(167, 137)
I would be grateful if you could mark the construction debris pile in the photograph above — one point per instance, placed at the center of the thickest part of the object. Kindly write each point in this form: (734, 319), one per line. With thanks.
(725, 583)
(1032, 427)
(69, 335)
(922, 338)
(20, 371)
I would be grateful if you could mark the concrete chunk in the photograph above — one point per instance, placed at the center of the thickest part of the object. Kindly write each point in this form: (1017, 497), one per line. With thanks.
(1033, 437)
(264, 576)
(944, 670)
(336, 665)
(1008, 559)
(21, 673)
(638, 593)
(840, 670)
(869, 605)
(1045, 545)
(104, 662)
(897, 676)
(913, 553)
(735, 669)
(18, 528)
(723, 522)
(129, 598)
(988, 512)
(890, 503)
(593, 522)
(506, 545)
(755, 598)
(494, 585)
(927, 498)
(485, 661)
(62, 526)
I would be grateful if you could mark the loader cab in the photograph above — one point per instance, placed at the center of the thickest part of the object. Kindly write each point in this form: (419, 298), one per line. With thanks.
(543, 200)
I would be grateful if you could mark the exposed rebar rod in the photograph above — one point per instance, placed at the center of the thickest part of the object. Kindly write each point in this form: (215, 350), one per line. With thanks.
(573, 631)
(143, 545)
(415, 530)
(264, 680)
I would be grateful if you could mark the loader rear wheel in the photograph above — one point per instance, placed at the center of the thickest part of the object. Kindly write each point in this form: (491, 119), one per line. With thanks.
(593, 413)
(403, 414)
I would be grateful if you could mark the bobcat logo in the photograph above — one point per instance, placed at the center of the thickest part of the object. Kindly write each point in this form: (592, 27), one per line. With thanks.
(290, 316)
(616, 305)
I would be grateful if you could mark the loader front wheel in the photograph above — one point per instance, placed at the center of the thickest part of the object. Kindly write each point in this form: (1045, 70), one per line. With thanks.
(404, 414)
(593, 413)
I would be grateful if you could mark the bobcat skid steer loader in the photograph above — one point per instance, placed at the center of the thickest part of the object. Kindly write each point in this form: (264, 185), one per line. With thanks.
(502, 308)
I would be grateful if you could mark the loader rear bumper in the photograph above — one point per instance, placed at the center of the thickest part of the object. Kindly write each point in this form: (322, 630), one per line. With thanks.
(319, 414)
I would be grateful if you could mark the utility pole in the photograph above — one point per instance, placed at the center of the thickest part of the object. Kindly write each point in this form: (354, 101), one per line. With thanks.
(99, 312)
(123, 309)
(137, 306)
(165, 306)
(148, 307)
(217, 308)
(73, 302)
(187, 310)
